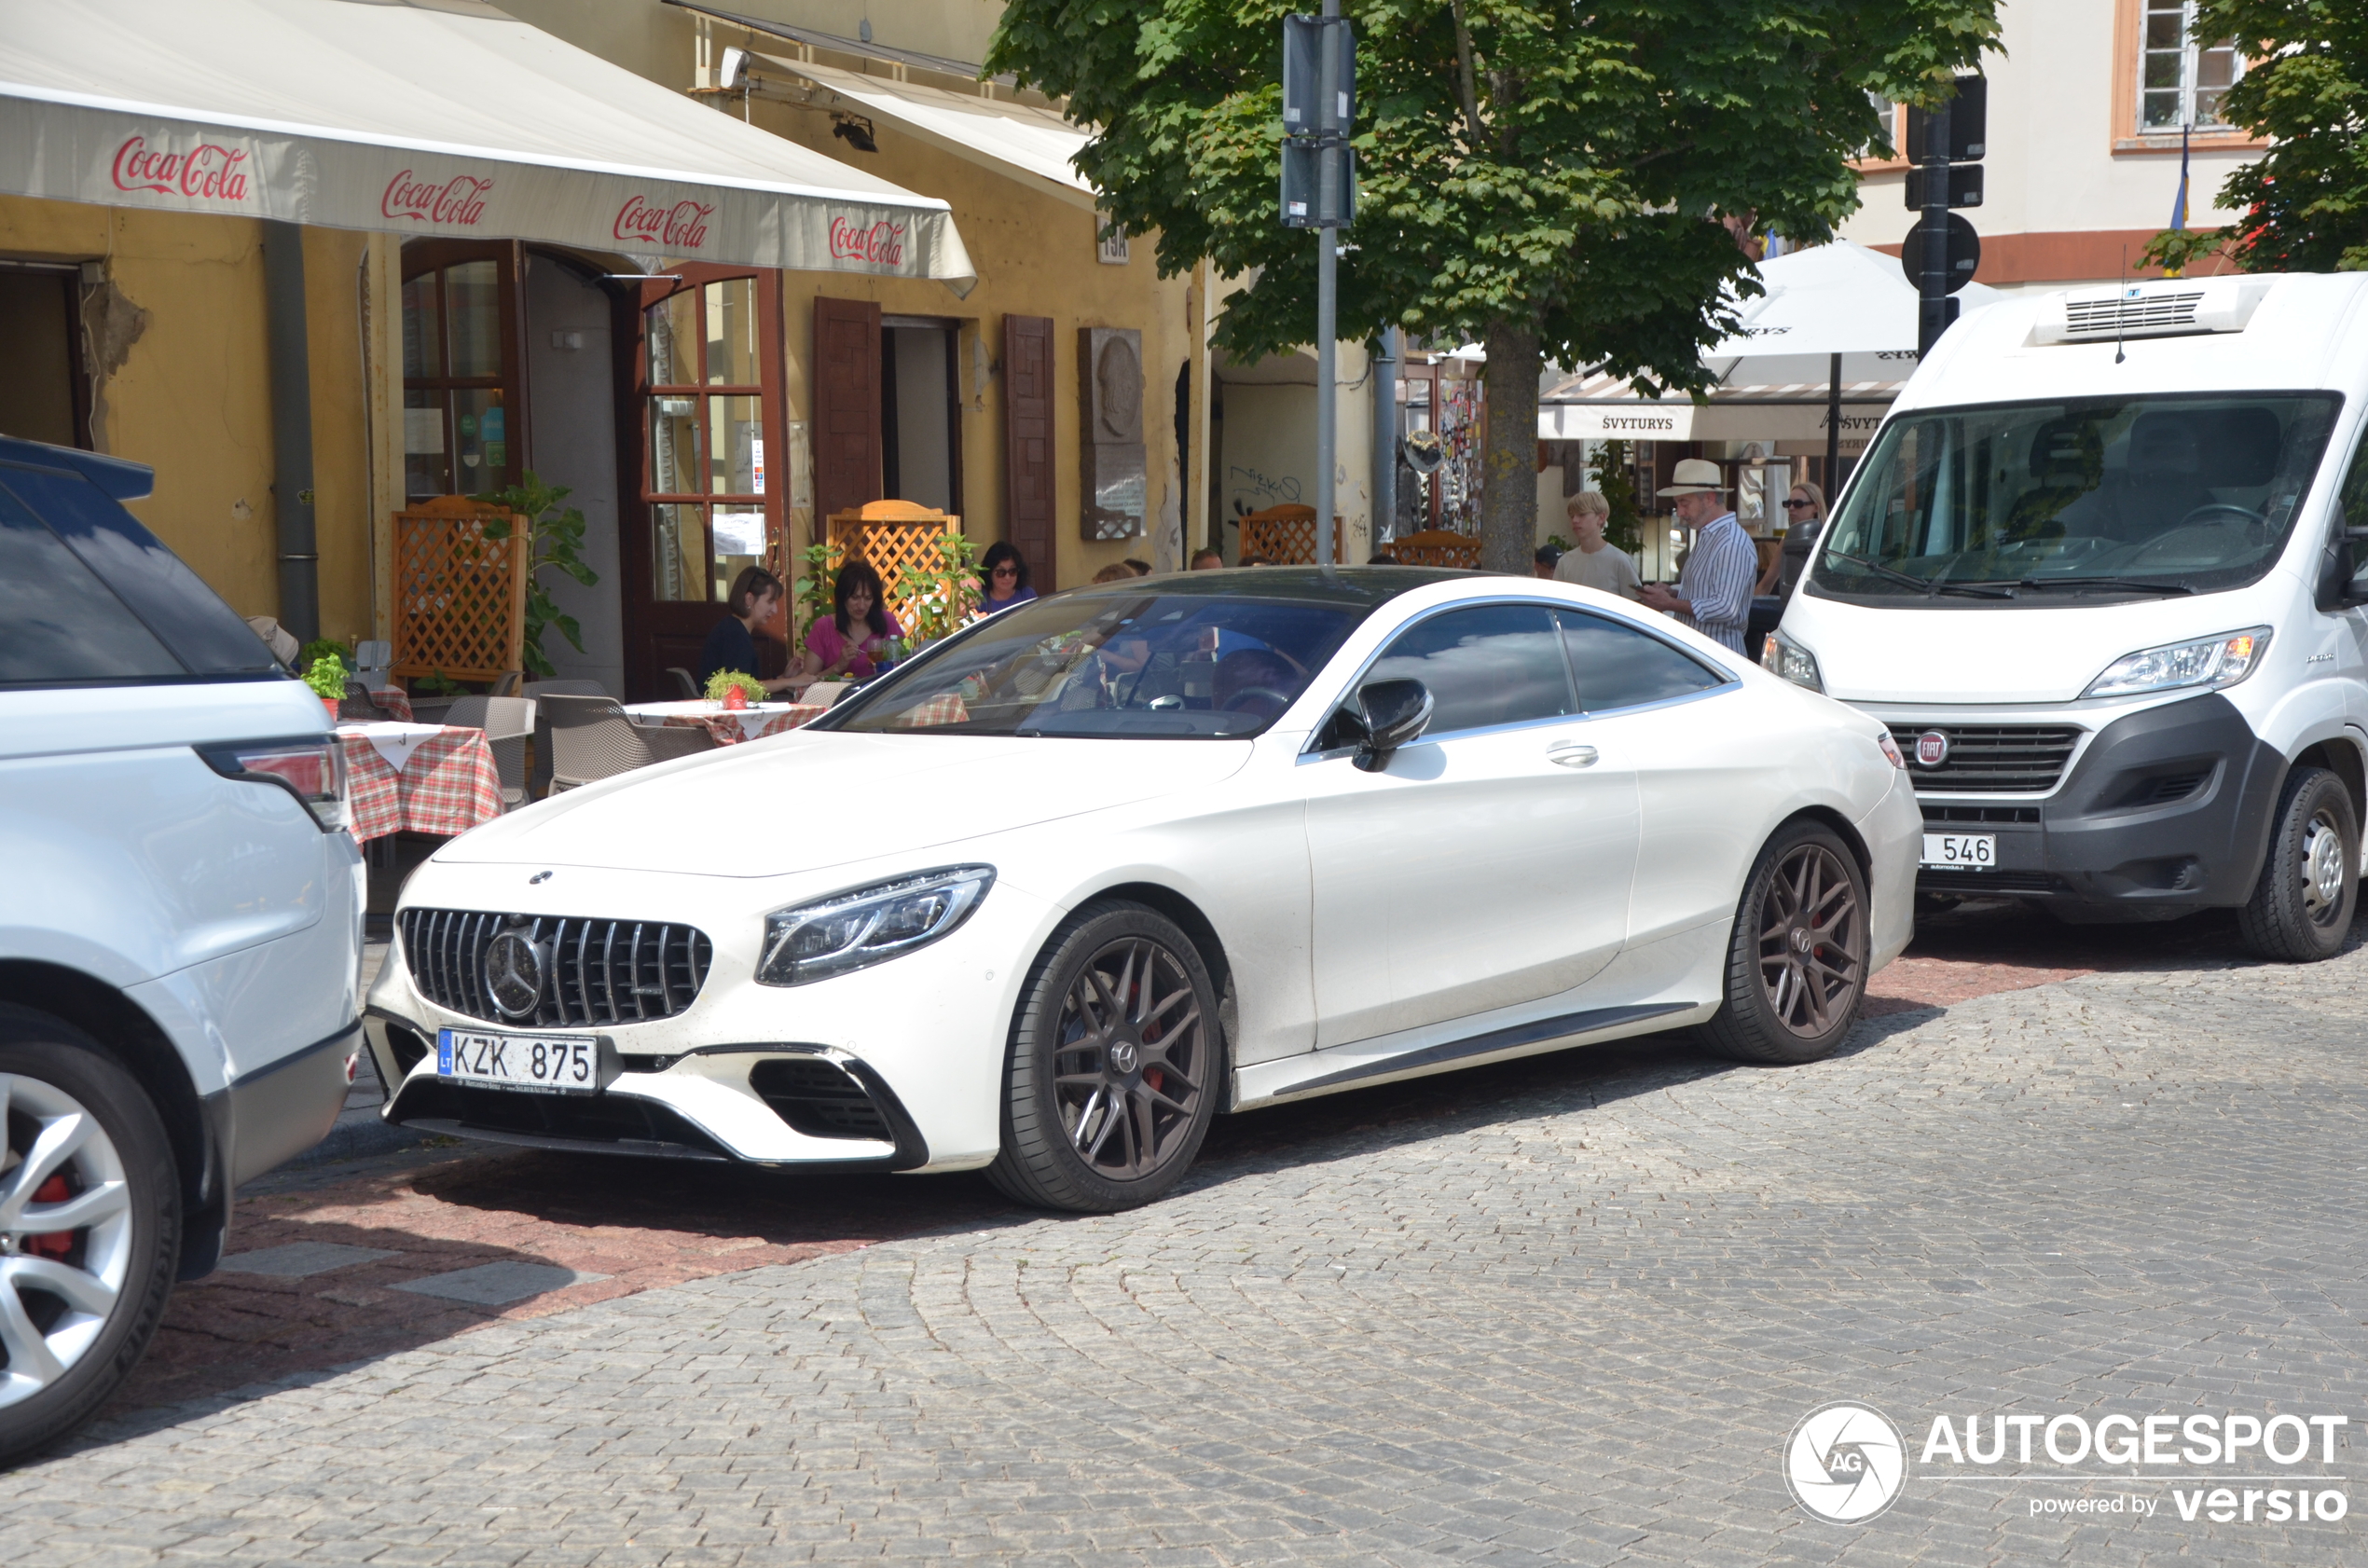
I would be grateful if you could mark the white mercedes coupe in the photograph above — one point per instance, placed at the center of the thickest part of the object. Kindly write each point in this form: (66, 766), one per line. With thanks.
(1053, 894)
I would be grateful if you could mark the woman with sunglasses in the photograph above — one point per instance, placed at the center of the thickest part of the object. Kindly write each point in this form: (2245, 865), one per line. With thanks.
(1004, 577)
(1805, 517)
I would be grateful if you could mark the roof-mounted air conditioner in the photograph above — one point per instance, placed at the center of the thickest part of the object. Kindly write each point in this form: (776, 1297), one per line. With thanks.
(2159, 308)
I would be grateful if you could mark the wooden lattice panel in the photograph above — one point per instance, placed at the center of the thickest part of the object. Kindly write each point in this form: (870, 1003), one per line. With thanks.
(1437, 547)
(891, 535)
(459, 597)
(1286, 535)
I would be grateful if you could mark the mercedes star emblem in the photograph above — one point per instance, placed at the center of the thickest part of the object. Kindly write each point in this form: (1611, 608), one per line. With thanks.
(514, 973)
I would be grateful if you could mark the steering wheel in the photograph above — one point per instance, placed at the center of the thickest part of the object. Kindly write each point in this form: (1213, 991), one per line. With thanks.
(1242, 700)
(2189, 533)
(2247, 513)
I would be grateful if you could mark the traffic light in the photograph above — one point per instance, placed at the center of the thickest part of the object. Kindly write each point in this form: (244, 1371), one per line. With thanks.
(1945, 147)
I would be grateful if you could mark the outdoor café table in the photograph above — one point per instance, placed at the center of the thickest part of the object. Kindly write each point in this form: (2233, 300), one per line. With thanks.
(421, 778)
(394, 701)
(730, 726)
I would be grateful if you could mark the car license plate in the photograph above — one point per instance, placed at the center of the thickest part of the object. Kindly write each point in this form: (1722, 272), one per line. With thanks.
(570, 1065)
(1961, 851)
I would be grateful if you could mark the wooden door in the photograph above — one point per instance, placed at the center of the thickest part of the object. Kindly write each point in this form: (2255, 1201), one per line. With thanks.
(706, 417)
(847, 404)
(1028, 434)
(464, 424)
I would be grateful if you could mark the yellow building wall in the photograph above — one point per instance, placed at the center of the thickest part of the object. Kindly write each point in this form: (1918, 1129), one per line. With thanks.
(1035, 255)
(175, 345)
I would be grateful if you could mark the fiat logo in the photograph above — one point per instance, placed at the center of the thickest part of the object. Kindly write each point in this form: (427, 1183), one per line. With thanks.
(1931, 749)
(512, 974)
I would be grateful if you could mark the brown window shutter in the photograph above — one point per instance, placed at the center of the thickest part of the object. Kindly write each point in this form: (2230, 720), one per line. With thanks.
(1028, 434)
(846, 406)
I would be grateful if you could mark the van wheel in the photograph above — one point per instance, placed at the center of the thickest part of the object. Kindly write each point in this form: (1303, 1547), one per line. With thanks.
(90, 1228)
(2301, 908)
(1115, 1064)
(1797, 961)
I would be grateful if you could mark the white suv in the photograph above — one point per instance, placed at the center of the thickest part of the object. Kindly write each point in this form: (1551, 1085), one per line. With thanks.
(180, 936)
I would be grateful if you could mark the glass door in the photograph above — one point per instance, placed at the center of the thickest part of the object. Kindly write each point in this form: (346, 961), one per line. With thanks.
(463, 417)
(710, 401)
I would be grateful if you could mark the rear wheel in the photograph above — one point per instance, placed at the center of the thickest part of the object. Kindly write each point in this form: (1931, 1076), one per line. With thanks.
(1114, 1065)
(2301, 909)
(90, 1228)
(1796, 961)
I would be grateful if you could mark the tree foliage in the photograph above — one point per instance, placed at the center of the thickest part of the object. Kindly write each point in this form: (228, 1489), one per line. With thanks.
(2305, 202)
(1557, 180)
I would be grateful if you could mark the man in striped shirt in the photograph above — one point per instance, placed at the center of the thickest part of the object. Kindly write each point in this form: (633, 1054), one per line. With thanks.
(1714, 589)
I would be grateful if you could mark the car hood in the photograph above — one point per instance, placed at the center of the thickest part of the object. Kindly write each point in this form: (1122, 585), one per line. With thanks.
(2047, 652)
(808, 800)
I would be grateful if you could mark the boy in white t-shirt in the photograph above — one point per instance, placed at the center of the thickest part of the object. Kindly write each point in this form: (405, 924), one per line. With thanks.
(1593, 562)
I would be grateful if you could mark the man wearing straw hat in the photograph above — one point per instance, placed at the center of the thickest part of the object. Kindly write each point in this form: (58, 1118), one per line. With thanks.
(1715, 587)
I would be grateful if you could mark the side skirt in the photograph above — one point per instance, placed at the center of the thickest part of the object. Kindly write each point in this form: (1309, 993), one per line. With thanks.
(1563, 1029)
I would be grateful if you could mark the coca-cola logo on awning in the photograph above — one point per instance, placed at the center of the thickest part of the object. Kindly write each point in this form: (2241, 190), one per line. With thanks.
(207, 171)
(680, 227)
(882, 242)
(459, 200)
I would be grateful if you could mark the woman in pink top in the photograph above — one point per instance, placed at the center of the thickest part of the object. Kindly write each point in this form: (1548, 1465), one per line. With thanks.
(845, 643)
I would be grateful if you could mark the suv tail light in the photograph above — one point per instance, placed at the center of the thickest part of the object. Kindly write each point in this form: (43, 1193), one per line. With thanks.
(310, 768)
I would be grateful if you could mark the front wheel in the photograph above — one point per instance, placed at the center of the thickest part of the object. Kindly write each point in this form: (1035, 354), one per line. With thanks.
(2301, 908)
(1114, 1067)
(1797, 961)
(90, 1228)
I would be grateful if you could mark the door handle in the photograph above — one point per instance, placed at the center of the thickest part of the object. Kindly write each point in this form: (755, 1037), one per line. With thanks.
(1572, 756)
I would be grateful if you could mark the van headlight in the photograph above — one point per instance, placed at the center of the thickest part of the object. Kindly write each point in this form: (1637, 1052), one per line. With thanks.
(866, 926)
(1780, 655)
(2209, 664)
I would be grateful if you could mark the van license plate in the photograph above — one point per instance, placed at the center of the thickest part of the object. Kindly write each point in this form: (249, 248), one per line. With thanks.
(569, 1066)
(1961, 851)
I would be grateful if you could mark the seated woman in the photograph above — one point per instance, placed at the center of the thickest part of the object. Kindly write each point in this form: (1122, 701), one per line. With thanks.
(847, 642)
(1003, 576)
(755, 599)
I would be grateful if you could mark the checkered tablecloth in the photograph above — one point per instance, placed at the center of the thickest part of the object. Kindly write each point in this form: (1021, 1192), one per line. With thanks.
(449, 786)
(397, 705)
(730, 726)
(946, 708)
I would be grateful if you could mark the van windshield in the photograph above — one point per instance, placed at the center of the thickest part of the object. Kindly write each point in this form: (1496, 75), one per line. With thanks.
(2040, 503)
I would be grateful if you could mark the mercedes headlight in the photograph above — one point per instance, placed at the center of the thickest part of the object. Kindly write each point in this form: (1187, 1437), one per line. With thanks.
(1780, 655)
(866, 926)
(2209, 664)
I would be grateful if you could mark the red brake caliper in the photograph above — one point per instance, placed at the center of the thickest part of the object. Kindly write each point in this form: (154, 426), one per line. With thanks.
(56, 1243)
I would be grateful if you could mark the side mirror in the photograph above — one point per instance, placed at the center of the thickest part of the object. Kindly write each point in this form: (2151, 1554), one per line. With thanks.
(2341, 585)
(1396, 711)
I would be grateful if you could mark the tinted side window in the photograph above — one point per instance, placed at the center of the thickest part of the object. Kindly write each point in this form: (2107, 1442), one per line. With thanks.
(1619, 667)
(1493, 664)
(58, 624)
(188, 616)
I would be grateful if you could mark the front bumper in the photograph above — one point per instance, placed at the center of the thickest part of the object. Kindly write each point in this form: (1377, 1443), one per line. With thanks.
(2163, 811)
(895, 1068)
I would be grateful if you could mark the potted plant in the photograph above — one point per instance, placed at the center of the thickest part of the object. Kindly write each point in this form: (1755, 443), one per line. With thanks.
(326, 675)
(726, 685)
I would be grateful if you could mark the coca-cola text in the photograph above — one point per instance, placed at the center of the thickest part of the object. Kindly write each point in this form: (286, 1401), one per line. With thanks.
(883, 242)
(459, 200)
(207, 171)
(680, 227)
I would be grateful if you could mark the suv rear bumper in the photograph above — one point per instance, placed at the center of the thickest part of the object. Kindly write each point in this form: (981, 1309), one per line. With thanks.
(2165, 811)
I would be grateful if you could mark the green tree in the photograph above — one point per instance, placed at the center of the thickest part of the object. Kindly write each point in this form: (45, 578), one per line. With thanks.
(555, 541)
(2305, 202)
(1561, 181)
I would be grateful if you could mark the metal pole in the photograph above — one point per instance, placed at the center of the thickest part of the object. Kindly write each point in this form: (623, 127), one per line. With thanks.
(1384, 436)
(286, 353)
(1933, 287)
(1833, 432)
(1327, 300)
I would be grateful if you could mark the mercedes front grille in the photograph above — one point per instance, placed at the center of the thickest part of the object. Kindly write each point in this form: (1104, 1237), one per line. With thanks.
(594, 972)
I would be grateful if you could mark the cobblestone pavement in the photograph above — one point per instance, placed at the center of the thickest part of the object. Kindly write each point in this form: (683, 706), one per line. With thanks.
(1562, 1311)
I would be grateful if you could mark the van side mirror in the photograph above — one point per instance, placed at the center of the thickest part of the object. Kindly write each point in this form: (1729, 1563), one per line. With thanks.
(2343, 586)
(1396, 711)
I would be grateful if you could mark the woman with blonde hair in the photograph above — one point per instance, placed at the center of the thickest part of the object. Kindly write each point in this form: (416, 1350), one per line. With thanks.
(1592, 561)
(1805, 516)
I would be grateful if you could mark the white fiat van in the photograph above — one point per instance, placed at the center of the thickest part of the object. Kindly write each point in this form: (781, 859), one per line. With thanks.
(2097, 572)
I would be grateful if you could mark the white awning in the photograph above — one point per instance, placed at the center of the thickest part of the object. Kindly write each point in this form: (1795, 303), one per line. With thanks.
(424, 116)
(1017, 141)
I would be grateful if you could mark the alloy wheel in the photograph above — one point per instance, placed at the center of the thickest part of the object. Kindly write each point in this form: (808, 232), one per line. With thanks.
(65, 1234)
(2322, 869)
(1130, 1066)
(1812, 940)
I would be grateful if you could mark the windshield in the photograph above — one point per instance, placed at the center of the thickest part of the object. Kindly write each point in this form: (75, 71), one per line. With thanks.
(2056, 502)
(1179, 658)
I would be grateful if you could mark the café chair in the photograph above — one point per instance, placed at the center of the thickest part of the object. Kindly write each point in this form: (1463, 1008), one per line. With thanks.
(539, 785)
(592, 739)
(507, 722)
(361, 704)
(682, 681)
